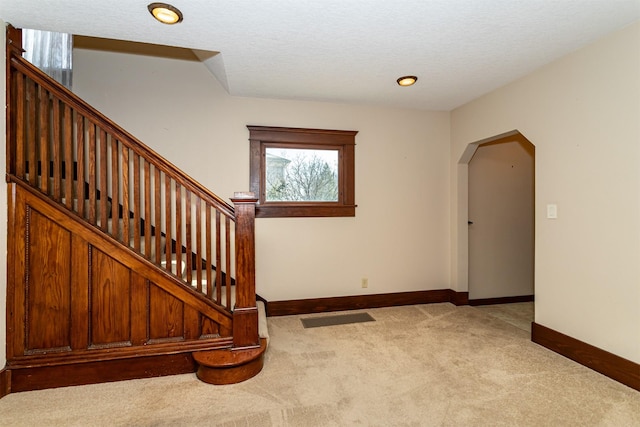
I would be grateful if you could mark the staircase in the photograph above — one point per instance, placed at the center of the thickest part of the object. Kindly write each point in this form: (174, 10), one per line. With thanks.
(120, 265)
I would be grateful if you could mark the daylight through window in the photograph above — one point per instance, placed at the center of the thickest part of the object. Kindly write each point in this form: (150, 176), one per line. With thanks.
(298, 175)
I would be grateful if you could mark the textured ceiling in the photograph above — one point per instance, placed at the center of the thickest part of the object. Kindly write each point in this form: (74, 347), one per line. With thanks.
(351, 50)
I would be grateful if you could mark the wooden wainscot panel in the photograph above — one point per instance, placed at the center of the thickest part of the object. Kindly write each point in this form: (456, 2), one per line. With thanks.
(209, 328)
(139, 309)
(83, 303)
(110, 301)
(191, 323)
(166, 316)
(47, 285)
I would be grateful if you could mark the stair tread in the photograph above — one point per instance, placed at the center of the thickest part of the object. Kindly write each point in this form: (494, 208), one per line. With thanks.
(263, 330)
(174, 264)
(229, 357)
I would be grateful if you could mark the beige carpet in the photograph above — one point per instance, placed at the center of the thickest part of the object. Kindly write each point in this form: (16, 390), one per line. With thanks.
(428, 365)
(519, 314)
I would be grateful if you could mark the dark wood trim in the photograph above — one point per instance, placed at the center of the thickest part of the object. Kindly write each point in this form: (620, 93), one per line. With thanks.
(262, 137)
(458, 298)
(37, 378)
(260, 298)
(5, 382)
(501, 300)
(302, 135)
(614, 367)
(271, 211)
(117, 353)
(320, 305)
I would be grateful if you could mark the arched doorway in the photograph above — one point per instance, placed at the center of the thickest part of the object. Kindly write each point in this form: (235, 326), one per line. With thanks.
(496, 249)
(501, 180)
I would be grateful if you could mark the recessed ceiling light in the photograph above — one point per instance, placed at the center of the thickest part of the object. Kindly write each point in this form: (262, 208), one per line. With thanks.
(165, 13)
(407, 80)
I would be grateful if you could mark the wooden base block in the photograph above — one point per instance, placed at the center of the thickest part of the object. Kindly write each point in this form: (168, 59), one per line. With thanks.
(5, 382)
(230, 366)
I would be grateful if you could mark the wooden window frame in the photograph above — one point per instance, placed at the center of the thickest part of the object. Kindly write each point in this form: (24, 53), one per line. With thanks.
(262, 137)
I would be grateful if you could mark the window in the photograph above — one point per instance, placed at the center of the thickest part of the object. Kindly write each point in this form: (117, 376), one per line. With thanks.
(302, 172)
(51, 52)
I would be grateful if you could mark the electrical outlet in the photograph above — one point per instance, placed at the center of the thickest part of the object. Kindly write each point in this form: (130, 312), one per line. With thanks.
(365, 282)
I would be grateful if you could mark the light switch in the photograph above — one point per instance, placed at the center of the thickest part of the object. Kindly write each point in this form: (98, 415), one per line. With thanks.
(552, 211)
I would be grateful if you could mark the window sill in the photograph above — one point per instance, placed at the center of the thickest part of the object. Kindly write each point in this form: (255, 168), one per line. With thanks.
(279, 211)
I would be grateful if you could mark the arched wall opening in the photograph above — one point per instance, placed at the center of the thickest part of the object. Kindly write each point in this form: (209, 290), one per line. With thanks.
(496, 199)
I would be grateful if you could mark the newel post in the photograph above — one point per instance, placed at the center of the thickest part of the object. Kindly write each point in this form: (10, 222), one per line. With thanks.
(245, 313)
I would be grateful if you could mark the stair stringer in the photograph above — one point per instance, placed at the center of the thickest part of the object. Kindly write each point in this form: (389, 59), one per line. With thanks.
(83, 308)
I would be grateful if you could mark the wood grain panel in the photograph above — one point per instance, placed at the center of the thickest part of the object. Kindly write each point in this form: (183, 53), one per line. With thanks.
(110, 301)
(208, 327)
(166, 315)
(48, 293)
(139, 309)
(191, 323)
(79, 293)
(16, 272)
(31, 132)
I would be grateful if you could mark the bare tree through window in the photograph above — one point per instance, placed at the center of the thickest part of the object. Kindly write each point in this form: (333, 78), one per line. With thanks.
(301, 175)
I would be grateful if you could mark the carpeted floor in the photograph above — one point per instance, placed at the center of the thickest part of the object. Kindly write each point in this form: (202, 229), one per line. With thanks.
(427, 365)
(519, 314)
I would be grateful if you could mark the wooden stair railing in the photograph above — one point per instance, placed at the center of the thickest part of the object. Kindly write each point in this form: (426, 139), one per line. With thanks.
(88, 166)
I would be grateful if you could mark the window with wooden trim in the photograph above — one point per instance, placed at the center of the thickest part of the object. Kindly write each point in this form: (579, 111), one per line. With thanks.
(302, 172)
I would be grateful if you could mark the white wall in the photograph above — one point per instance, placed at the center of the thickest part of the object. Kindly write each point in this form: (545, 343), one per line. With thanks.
(3, 214)
(399, 238)
(583, 115)
(501, 238)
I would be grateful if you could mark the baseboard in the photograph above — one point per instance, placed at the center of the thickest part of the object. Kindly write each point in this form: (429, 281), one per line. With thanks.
(614, 367)
(5, 382)
(458, 298)
(320, 305)
(501, 300)
(42, 377)
(259, 298)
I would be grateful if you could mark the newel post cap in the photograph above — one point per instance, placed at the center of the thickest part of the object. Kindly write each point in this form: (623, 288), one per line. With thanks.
(244, 195)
